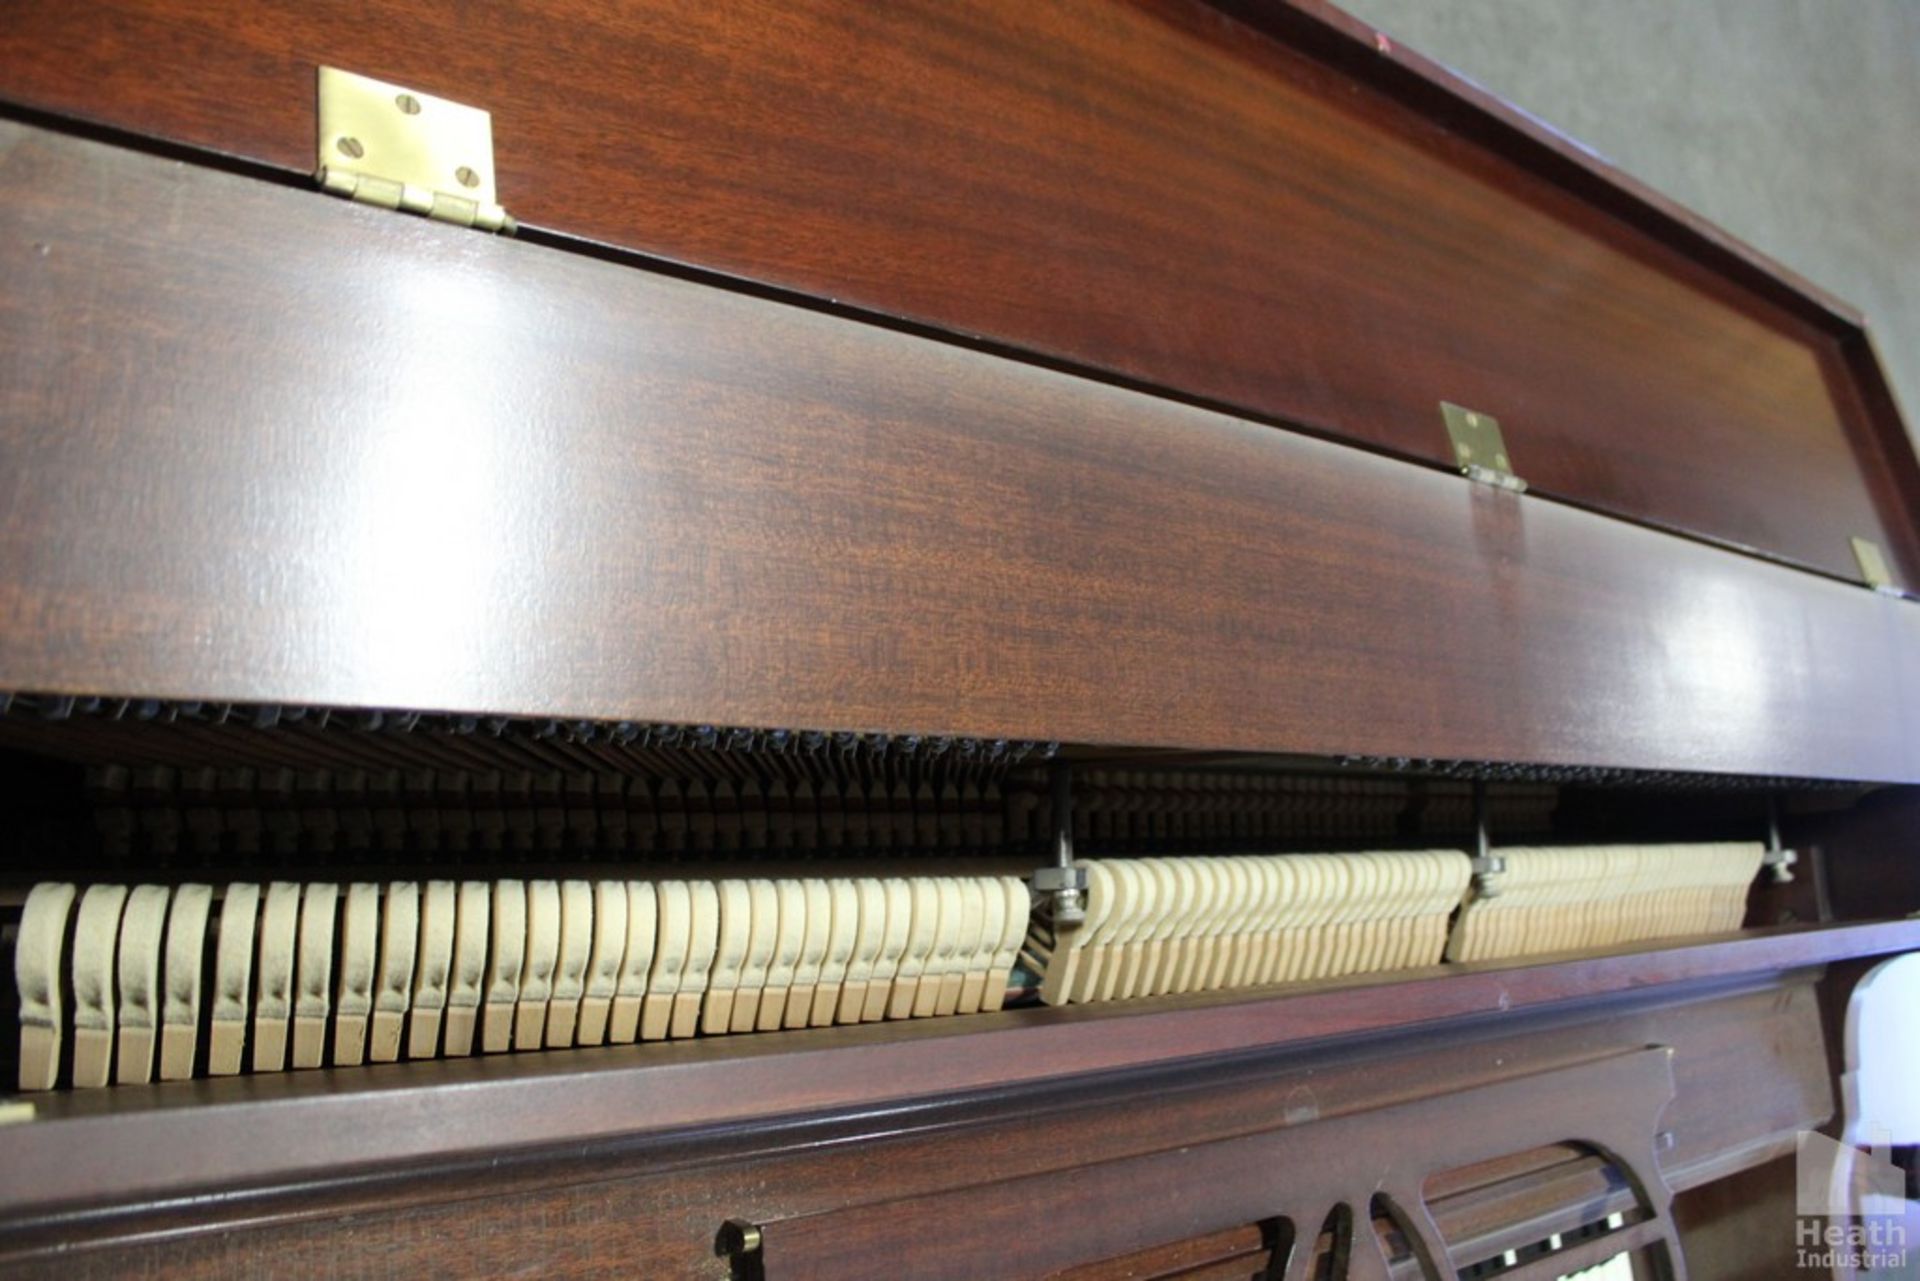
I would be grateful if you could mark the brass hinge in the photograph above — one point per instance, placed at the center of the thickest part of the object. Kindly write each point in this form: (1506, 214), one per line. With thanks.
(1873, 567)
(739, 1237)
(1478, 447)
(385, 145)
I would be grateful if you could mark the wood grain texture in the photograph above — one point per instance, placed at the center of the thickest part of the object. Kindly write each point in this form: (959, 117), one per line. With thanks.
(1439, 93)
(123, 1145)
(1240, 1252)
(1291, 222)
(1301, 1170)
(653, 1204)
(1871, 855)
(269, 446)
(1741, 1228)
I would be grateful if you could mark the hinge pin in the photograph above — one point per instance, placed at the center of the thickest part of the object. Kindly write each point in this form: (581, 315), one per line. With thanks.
(737, 1237)
(1873, 566)
(1479, 450)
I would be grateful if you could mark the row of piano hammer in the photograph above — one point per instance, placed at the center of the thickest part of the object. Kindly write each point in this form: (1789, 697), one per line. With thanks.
(312, 974)
(118, 985)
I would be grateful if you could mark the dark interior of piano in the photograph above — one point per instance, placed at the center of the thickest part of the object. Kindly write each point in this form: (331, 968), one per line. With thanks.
(1106, 640)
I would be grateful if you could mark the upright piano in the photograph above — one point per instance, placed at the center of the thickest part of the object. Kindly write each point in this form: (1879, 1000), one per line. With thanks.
(951, 639)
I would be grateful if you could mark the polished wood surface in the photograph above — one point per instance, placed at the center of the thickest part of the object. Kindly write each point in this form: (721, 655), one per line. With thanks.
(1742, 1228)
(1302, 1171)
(1746, 1068)
(1316, 228)
(123, 1144)
(1239, 1253)
(274, 447)
(1372, 55)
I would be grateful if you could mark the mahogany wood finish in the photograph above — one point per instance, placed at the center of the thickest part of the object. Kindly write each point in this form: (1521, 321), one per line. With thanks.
(1289, 215)
(1367, 53)
(1304, 1170)
(1240, 1253)
(1750, 1068)
(1746, 1066)
(274, 447)
(261, 446)
(1741, 1228)
(1558, 1188)
(1871, 855)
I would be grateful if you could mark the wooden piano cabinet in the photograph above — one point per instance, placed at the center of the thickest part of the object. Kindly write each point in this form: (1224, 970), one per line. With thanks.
(976, 369)
(1279, 211)
(1741, 1227)
(276, 447)
(1346, 1169)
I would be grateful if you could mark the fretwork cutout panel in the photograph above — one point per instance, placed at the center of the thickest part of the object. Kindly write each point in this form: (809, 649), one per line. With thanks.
(1366, 1182)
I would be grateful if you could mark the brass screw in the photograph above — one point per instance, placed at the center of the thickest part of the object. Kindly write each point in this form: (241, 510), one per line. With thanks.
(350, 148)
(467, 177)
(408, 103)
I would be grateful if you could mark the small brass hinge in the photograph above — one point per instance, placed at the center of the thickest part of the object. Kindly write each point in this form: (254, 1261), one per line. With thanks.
(1478, 447)
(382, 144)
(1873, 567)
(738, 1237)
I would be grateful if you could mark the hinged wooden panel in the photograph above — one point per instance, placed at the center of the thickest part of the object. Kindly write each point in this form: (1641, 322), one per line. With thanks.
(1279, 213)
(409, 466)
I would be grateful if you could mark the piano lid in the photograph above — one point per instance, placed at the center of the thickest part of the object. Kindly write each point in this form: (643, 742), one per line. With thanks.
(1279, 212)
(669, 502)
